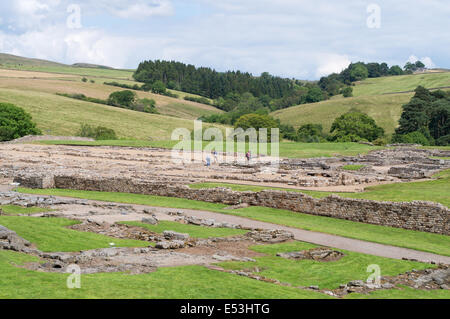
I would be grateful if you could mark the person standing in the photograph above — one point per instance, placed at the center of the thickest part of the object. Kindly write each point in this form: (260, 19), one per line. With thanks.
(248, 155)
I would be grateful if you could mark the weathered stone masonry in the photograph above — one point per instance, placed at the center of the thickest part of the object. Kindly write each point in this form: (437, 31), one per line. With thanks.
(421, 216)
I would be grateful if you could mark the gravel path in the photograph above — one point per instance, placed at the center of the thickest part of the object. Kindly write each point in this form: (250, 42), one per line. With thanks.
(355, 245)
(318, 238)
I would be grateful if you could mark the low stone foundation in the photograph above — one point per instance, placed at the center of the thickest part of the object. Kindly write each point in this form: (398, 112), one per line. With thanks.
(35, 181)
(418, 215)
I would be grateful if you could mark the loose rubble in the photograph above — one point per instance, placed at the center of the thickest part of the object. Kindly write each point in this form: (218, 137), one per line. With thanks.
(9, 240)
(271, 236)
(318, 254)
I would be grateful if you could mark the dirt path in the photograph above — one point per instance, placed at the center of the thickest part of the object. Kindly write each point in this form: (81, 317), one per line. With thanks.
(318, 238)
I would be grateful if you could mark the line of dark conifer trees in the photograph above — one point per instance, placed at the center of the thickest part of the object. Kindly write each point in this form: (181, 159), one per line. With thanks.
(274, 92)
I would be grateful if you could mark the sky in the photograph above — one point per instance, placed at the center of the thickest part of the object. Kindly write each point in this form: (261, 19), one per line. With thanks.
(303, 39)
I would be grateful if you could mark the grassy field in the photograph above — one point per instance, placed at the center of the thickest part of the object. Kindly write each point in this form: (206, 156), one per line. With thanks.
(40, 82)
(66, 69)
(196, 282)
(18, 210)
(193, 230)
(12, 62)
(326, 275)
(385, 109)
(392, 84)
(434, 243)
(369, 98)
(45, 76)
(57, 115)
(190, 282)
(51, 235)
(287, 149)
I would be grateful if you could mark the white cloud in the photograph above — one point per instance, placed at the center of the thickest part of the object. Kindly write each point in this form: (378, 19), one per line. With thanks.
(428, 62)
(58, 43)
(292, 38)
(31, 13)
(425, 60)
(332, 63)
(142, 9)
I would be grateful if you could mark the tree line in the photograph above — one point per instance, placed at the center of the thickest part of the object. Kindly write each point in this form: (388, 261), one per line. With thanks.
(425, 119)
(210, 83)
(338, 83)
(273, 92)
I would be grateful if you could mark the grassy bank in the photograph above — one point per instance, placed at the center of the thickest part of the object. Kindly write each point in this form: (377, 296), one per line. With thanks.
(52, 235)
(325, 275)
(190, 282)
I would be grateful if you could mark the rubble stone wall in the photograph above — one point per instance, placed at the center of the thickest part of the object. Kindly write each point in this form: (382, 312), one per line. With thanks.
(421, 216)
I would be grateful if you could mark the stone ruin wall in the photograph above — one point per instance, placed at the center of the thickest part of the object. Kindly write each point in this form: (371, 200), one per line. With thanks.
(420, 216)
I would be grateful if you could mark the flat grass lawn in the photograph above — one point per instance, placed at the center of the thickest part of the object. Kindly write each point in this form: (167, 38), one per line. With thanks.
(18, 210)
(51, 235)
(193, 230)
(326, 275)
(309, 150)
(433, 191)
(287, 149)
(434, 243)
(190, 282)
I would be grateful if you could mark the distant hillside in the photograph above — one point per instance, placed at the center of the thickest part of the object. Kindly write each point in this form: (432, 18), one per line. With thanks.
(69, 83)
(375, 97)
(91, 66)
(57, 115)
(385, 109)
(402, 83)
(9, 59)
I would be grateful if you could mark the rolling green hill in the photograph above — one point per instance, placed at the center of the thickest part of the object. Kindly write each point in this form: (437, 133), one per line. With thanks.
(403, 83)
(40, 76)
(59, 83)
(8, 61)
(57, 115)
(379, 97)
(372, 96)
(385, 109)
